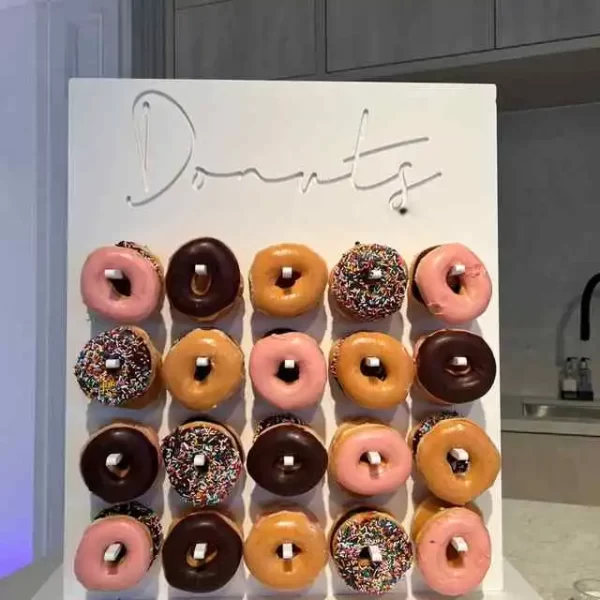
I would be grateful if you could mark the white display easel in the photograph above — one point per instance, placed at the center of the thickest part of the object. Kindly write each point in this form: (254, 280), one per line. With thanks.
(259, 163)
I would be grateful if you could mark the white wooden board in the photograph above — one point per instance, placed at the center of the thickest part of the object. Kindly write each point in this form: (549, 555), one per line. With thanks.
(254, 164)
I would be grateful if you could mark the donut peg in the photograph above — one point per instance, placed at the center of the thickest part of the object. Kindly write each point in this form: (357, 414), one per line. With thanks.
(459, 454)
(287, 551)
(202, 361)
(288, 461)
(113, 274)
(459, 361)
(201, 270)
(372, 361)
(289, 364)
(457, 270)
(113, 460)
(112, 363)
(375, 554)
(374, 458)
(459, 544)
(375, 274)
(287, 272)
(113, 553)
(199, 551)
(199, 460)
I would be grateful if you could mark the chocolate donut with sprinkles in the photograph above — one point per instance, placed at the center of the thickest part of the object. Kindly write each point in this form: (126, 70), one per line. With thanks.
(119, 368)
(203, 460)
(371, 550)
(369, 282)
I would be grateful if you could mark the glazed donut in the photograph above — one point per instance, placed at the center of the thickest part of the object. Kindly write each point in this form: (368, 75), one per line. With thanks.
(369, 458)
(275, 293)
(282, 436)
(223, 552)
(203, 481)
(457, 459)
(383, 385)
(369, 282)
(371, 550)
(455, 299)
(134, 289)
(120, 367)
(443, 378)
(203, 279)
(136, 529)
(134, 449)
(202, 387)
(453, 546)
(265, 546)
(300, 385)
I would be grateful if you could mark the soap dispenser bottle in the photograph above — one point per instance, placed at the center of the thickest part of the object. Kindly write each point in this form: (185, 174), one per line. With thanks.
(584, 383)
(568, 380)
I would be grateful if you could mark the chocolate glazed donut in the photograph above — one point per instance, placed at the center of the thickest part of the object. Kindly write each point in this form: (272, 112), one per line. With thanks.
(448, 383)
(136, 471)
(223, 279)
(223, 552)
(266, 466)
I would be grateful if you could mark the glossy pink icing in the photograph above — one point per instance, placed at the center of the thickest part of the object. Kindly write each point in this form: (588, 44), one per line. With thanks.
(369, 480)
(438, 573)
(265, 358)
(439, 298)
(94, 573)
(99, 295)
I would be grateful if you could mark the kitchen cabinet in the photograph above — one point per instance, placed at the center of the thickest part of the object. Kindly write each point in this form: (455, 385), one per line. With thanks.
(263, 39)
(365, 33)
(520, 22)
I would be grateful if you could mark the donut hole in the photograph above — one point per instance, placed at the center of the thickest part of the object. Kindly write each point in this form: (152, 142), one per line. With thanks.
(364, 459)
(122, 287)
(364, 557)
(457, 370)
(459, 467)
(289, 469)
(200, 284)
(199, 564)
(121, 470)
(454, 557)
(120, 556)
(454, 282)
(379, 372)
(202, 372)
(288, 375)
(287, 282)
(295, 551)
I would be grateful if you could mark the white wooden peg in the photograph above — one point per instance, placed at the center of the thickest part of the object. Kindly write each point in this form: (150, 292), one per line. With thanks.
(457, 270)
(459, 454)
(376, 274)
(374, 458)
(113, 274)
(372, 361)
(113, 459)
(199, 460)
(459, 361)
(289, 364)
(112, 553)
(112, 363)
(287, 551)
(202, 361)
(199, 551)
(288, 461)
(459, 544)
(201, 270)
(287, 272)
(375, 554)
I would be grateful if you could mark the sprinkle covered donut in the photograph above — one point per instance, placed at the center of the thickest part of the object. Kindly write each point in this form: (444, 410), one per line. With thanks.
(371, 550)
(203, 460)
(120, 368)
(369, 282)
(118, 548)
(124, 282)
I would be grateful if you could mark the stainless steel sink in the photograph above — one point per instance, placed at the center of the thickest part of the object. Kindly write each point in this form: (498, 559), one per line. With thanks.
(535, 410)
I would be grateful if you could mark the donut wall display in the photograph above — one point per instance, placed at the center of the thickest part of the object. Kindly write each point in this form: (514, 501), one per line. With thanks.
(280, 407)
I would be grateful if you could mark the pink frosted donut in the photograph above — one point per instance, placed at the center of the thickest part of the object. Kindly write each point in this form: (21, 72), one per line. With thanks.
(139, 532)
(293, 387)
(350, 458)
(463, 573)
(110, 298)
(455, 299)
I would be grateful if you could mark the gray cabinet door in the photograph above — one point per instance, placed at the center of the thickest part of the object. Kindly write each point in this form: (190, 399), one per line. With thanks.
(264, 39)
(364, 33)
(531, 21)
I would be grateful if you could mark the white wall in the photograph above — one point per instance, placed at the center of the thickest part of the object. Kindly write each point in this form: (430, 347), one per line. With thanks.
(18, 188)
(549, 213)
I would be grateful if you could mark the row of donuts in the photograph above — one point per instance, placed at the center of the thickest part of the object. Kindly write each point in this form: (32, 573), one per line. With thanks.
(204, 459)
(121, 367)
(286, 549)
(127, 282)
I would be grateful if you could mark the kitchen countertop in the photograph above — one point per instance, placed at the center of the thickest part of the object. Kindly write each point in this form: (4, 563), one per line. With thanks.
(552, 545)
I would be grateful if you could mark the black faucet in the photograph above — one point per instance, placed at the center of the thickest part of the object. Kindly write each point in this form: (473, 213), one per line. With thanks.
(586, 299)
